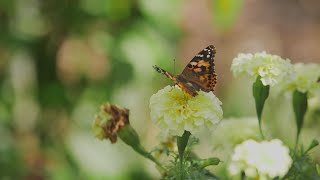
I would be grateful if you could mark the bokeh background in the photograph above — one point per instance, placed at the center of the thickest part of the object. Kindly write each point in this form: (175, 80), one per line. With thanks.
(60, 59)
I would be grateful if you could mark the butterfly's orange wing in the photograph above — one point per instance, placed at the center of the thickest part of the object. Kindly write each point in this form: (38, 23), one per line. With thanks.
(200, 72)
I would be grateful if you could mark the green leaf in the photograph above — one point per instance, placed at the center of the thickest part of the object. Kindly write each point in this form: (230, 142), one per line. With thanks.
(182, 142)
(303, 167)
(260, 94)
(300, 106)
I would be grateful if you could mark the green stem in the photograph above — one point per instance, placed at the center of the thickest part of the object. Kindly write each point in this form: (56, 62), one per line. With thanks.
(139, 149)
(260, 128)
(243, 176)
(296, 143)
(129, 136)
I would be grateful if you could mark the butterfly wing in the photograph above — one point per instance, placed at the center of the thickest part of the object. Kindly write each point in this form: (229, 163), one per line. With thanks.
(200, 72)
(185, 86)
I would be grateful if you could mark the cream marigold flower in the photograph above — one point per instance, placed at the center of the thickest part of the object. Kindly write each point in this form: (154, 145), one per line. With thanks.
(264, 160)
(271, 68)
(306, 78)
(233, 131)
(174, 112)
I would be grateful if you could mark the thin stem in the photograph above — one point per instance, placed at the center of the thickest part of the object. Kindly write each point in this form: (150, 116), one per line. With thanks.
(146, 154)
(296, 143)
(260, 128)
(181, 174)
(156, 162)
(243, 176)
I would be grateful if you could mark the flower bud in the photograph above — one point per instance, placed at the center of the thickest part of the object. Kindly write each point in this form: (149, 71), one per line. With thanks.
(202, 163)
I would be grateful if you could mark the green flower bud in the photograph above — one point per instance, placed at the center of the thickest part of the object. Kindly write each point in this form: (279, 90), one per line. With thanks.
(208, 162)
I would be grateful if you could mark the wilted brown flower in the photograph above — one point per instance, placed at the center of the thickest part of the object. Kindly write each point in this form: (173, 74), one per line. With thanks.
(109, 121)
(113, 121)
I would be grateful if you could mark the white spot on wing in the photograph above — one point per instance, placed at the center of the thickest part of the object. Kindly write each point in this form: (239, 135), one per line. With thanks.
(189, 84)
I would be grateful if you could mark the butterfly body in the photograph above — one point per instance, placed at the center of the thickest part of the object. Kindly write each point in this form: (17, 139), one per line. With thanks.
(199, 74)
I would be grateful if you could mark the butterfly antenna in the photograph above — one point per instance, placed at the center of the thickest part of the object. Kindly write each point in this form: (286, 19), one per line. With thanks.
(174, 66)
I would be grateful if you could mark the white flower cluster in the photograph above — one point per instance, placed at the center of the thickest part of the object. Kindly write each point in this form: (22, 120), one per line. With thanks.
(275, 71)
(271, 68)
(262, 160)
(174, 112)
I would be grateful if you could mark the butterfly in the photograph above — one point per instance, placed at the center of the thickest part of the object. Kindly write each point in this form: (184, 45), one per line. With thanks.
(199, 74)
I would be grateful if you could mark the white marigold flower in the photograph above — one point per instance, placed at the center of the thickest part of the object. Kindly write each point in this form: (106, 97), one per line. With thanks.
(174, 112)
(271, 68)
(264, 160)
(306, 78)
(233, 131)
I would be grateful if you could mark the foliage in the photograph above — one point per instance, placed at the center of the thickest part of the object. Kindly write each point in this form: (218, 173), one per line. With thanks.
(303, 166)
(60, 59)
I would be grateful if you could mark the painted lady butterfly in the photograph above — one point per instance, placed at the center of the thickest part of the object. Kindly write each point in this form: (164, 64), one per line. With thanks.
(199, 74)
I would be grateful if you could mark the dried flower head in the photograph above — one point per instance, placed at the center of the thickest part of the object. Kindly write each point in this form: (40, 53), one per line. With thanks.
(109, 121)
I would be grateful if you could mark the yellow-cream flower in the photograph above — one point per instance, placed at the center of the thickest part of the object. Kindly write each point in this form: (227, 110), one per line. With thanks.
(263, 160)
(174, 112)
(306, 78)
(233, 131)
(271, 68)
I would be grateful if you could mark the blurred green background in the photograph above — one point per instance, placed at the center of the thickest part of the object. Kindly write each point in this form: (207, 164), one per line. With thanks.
(60, 59)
